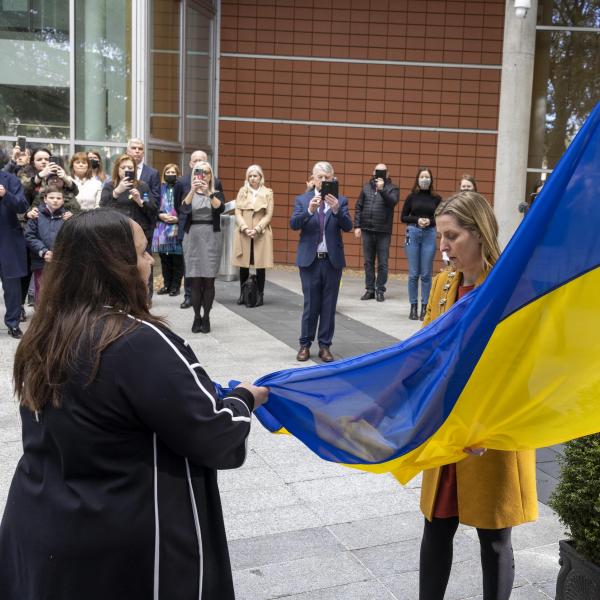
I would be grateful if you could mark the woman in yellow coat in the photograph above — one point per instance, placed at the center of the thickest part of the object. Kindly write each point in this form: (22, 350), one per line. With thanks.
(253, 240)
(491, 490)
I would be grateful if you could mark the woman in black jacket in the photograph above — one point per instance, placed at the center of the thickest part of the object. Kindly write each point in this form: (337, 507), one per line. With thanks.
(116, 493)
(130, 196)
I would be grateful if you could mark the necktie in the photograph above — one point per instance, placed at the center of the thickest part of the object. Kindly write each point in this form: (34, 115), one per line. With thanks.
(321, 220)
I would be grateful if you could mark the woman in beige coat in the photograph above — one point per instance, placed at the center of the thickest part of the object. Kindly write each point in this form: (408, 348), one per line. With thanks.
(253, 240)
(490, 490)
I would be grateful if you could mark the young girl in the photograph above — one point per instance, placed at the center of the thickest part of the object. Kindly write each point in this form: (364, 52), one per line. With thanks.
(165, 239)
(40, 233)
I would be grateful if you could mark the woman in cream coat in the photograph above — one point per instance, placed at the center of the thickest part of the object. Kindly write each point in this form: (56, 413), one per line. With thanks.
(253, 240)
(490, 490)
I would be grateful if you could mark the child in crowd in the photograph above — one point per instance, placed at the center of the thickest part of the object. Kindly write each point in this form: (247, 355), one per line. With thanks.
(41, 232)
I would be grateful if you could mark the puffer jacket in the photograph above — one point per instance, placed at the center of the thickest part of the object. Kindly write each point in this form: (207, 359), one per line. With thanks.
(41, 233)
(375, 209)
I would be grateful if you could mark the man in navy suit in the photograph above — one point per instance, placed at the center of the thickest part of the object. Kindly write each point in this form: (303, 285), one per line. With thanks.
(320, 258)
(135, 149)
(13, 252)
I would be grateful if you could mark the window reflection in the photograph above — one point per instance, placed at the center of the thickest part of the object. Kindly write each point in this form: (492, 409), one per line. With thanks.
(569, 14)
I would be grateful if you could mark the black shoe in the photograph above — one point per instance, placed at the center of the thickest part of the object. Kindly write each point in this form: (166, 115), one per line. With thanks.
(368, 295)
(240, 300)
(413, 312)
(23, 317)
(260, 301)
(15, 332)
(423, 311)
(379, 296)
(205, 327)
(163, 290)
(185, 304)
(197, 325)
(174, 292)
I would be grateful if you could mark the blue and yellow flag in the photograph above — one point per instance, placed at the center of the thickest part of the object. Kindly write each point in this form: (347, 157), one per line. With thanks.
(514, 365)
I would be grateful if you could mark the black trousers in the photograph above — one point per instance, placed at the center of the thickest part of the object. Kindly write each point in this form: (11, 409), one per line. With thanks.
(376, 244)
(497, 560)
(172, 270)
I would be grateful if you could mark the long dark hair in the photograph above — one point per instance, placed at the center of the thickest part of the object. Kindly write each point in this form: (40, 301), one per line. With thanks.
(90, 287)
(416, 189)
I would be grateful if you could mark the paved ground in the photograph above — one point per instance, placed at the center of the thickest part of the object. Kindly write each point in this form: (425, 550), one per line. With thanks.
(317, 531)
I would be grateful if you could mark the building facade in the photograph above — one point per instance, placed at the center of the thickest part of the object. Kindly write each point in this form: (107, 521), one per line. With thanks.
(456, 86)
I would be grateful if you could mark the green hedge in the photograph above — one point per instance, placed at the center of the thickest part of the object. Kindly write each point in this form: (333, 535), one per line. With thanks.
(576, 499)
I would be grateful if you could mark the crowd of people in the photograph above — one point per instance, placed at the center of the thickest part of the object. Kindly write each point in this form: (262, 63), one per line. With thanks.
(96, 369)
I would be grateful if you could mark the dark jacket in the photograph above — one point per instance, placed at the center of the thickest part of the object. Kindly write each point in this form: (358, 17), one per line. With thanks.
(116, 496)
(186, 209)
(145, 216)
(152, 178)
(310, 231)
(375, 209)
(181, 190)
(13, 251)
(41, 233)
(70, 194)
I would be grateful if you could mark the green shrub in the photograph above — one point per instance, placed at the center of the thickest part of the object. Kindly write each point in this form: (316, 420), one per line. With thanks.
(576, 499)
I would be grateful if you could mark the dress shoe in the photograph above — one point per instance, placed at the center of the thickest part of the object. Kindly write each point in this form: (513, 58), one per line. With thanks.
(379, 296)
(174, 292)
(423, 311)
(185, 304)
(205, 327)
(303, 353)
(368, 295)
(325, 355)
(163, 290)
(260, 300)
(240, 300)
(413, 316)
(23, 317)
(197, 325)
(15, 332)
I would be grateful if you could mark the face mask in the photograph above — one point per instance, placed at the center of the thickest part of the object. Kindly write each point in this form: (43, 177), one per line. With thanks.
(171, 179)
(424, 183)
(95, 163)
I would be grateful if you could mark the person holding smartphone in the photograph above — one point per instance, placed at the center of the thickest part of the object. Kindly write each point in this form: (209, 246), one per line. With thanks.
(373, 222)
(320, 216)
(125, 193)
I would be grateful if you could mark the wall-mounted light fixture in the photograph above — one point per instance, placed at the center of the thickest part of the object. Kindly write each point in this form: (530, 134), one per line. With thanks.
(521, 8)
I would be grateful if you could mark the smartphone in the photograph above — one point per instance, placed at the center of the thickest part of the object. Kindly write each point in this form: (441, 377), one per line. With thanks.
(22, 143)
(129, 175)
(198, 173)
(53, 160)
(330, 187)
(381, 174)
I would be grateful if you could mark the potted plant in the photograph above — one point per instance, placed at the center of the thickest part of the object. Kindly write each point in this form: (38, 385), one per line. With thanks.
(576, 501)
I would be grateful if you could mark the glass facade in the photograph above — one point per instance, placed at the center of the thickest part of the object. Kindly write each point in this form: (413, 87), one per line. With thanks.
(566, 83)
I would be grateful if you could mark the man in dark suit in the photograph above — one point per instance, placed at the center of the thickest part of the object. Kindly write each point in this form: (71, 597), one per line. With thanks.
(135, 149)
(13, 253)
(180, 191)
(320, 258)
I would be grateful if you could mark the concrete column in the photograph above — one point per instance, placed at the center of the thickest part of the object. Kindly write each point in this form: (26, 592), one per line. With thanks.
(513, 122)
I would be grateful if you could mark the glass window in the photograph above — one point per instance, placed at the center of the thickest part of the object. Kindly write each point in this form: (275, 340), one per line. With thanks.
(108, 154)
(159, 158)
(34, 71)
(569, 14)
(103, 70)
(566, 87)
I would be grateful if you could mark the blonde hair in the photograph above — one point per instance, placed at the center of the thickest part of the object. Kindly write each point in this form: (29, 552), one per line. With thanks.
(259, 170)
(203, 165)
(473, 212)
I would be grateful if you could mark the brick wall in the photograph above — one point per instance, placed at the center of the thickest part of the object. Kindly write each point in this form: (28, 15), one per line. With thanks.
(358, 97)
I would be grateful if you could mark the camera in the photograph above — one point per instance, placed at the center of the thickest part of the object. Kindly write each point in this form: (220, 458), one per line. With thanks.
(330, 187)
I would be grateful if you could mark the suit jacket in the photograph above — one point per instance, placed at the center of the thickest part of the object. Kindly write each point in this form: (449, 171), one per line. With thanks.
(498, 489)
(152, 178)
(310, 232)
(13, 252)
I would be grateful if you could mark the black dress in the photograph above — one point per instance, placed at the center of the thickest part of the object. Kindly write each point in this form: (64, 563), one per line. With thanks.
(116, 494)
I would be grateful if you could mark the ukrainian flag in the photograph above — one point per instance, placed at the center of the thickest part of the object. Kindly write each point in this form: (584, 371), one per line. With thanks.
(514, 365)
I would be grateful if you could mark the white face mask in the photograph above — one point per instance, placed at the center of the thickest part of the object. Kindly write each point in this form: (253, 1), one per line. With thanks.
(424, 183)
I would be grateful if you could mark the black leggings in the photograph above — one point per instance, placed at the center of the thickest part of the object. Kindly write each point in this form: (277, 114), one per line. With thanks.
(203, 294)
(497, 560)
(260, 277)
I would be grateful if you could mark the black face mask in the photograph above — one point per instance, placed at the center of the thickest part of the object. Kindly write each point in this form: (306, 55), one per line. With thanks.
(95, 163)
(170, 179)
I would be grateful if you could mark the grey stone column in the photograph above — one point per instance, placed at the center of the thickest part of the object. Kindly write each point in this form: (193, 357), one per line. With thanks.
(513, 122)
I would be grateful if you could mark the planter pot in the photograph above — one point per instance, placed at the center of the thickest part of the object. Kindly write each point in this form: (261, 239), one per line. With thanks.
(578, 578)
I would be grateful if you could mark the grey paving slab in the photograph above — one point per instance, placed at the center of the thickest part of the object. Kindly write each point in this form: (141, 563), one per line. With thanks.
(538, 565)
(364, 590)
(298, 576)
